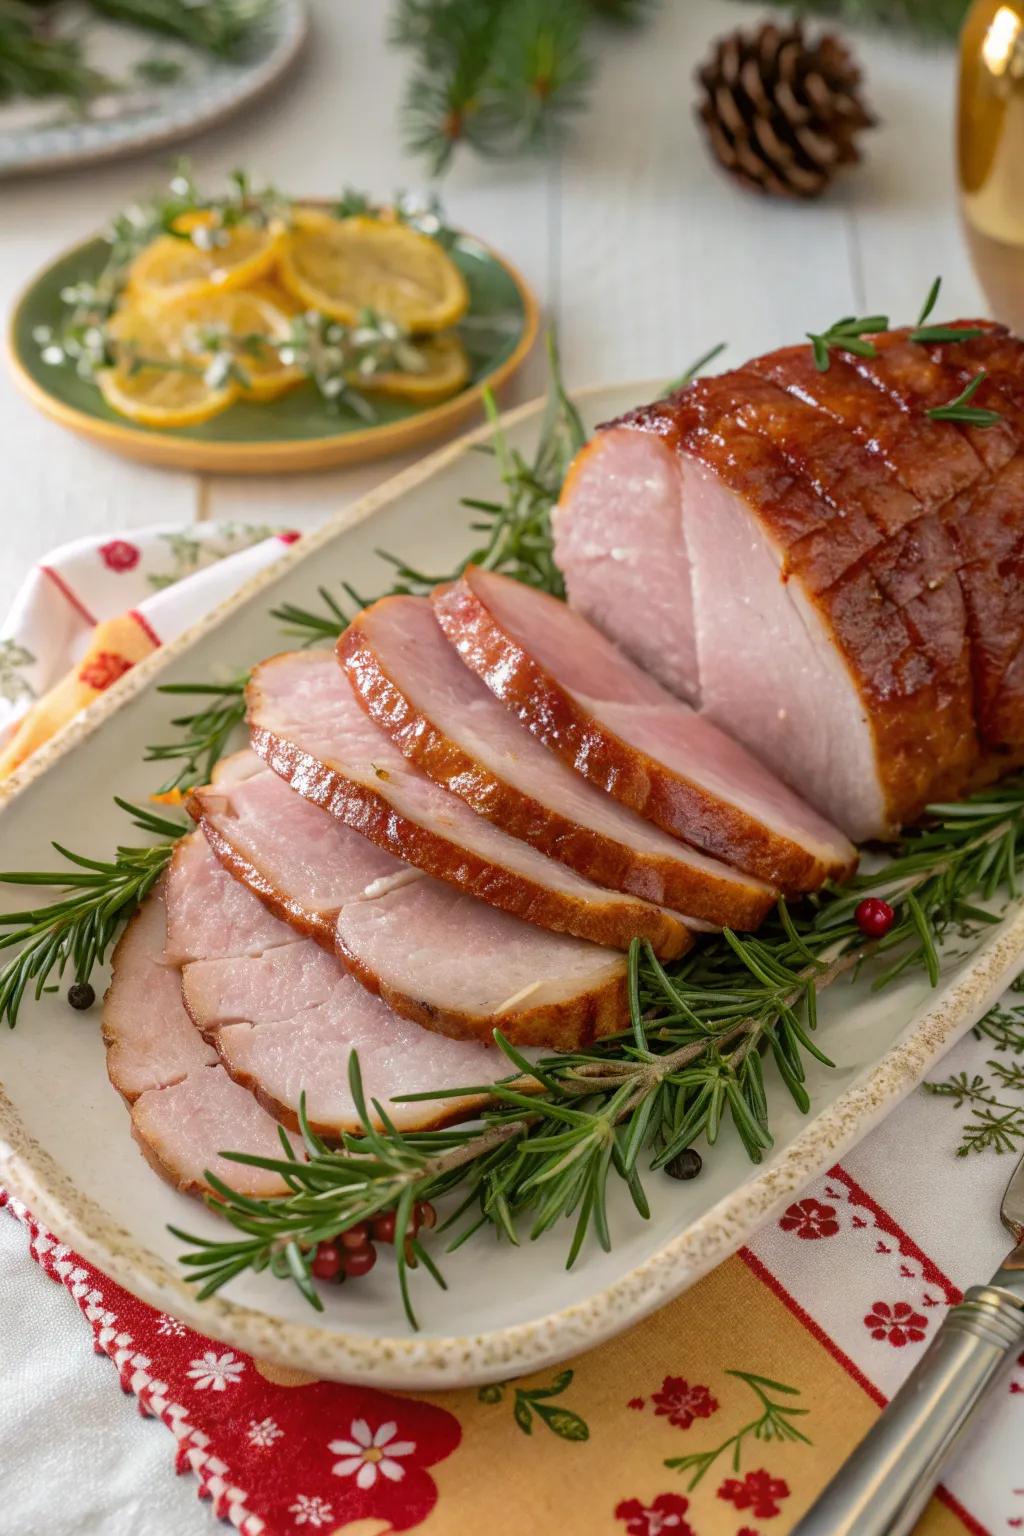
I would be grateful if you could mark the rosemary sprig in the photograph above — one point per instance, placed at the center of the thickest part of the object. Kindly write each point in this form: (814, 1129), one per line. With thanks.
(940, 333)
(207, 732)
(516, 530)
(960, 409)
(79, 929)
(846, 335)
(698, 367)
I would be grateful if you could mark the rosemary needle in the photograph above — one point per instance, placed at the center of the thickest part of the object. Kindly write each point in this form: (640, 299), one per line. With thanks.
(961, 409)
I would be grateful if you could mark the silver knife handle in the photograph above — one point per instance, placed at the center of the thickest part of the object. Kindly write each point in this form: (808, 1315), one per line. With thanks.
(883, 1487)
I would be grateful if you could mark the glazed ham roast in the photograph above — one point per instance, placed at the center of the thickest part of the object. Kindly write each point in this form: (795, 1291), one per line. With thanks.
(821, 569)
(795, 617)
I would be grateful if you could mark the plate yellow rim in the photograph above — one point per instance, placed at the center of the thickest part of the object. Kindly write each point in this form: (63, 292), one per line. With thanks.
(258, 456)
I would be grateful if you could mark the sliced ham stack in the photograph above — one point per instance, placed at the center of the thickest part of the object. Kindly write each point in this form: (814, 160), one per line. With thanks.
(443, 718)
(436, 955)
(821, 569)
(185, 1108)
(212, 995)
(305, 722)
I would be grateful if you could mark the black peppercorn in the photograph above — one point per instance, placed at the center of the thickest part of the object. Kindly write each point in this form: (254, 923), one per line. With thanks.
(81, 995)
(685, 1165)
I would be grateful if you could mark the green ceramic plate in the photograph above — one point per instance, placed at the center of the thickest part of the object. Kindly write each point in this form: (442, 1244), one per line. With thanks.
(297, 431)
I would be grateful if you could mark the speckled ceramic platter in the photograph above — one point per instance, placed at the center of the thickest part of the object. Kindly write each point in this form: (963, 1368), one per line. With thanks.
(164, 91)
(299, 431)
(64, 1137)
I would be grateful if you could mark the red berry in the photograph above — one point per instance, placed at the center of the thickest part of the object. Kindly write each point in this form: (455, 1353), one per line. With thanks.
(328, 1261)
(355, 1237)
(384, 1227)
(874, 917)
(359, 1261)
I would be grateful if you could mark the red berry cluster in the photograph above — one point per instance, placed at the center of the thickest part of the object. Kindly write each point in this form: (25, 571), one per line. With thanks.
(352, 1253)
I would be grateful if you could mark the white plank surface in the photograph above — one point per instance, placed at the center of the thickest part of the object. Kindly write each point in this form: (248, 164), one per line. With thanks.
(648, 256)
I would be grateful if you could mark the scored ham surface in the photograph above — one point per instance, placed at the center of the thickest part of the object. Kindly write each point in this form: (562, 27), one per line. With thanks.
(623, 731)
(823, 570)
(435, 955)
(447, 722)
(306, 723)
(285, 1016)
(185, 1109)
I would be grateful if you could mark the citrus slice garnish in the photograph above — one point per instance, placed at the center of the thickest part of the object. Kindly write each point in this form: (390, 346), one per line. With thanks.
(242, 317)
(154, 396)
(445, 371)
(343, 267)
(195, 328)
(212, 258)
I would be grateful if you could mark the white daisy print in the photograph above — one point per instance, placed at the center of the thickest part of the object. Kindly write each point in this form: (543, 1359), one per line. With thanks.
(370, 1454)
(170, 1325)
(216, 1371)
(263, 1432)
(309, 1510)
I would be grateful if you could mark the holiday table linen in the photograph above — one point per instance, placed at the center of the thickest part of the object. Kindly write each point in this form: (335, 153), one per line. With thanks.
(722, 1415)
(92, 609)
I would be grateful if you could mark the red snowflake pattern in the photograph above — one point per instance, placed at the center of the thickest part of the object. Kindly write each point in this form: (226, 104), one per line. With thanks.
(680, 1403)
(103, 669)
(664, 1516)
(810, 1219)
(758, 1491)
(119, 555)
(747, 1530)
(635, 1402)
(898, 1324)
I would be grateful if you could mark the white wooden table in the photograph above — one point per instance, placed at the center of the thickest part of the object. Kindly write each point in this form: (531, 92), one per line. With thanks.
(647, 257)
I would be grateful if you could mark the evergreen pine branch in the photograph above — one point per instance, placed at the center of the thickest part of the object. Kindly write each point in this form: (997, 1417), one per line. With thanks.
(225, 28)
(929, 18)
(498, 75)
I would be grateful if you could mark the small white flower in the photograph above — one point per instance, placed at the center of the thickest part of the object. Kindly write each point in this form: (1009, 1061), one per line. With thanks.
(170, 1325)
(216, 1371)
(370, 1453)
(310, 1510)
(264, 1432)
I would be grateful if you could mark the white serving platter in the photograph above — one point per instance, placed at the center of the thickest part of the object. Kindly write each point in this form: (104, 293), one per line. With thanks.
(65, 1146)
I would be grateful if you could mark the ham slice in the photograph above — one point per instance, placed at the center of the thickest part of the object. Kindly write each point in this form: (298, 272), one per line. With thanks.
(584, 699)
(824, 571)
(306, 723)
(285, 1017)
(448, 723)
(185, 1109)
(436, 956)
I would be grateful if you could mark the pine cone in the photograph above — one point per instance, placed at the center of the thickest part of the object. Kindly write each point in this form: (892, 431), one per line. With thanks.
(782, 114)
